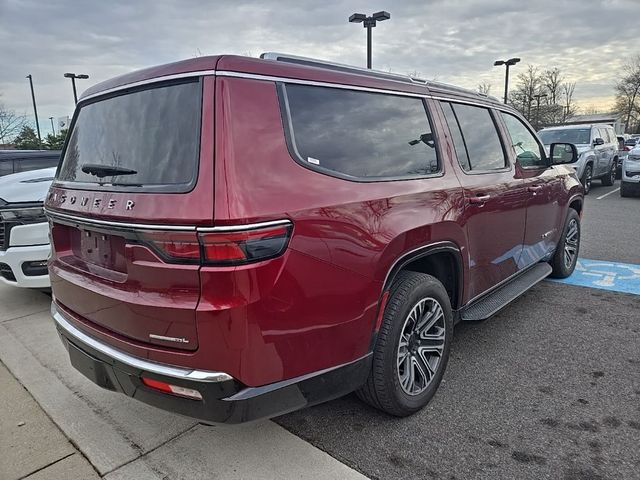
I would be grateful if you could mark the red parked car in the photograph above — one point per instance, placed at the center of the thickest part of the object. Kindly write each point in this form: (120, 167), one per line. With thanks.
(235, 238)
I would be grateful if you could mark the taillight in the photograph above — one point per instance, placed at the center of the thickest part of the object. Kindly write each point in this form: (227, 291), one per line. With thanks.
(221, 247)
(238, 247)
(627, 149)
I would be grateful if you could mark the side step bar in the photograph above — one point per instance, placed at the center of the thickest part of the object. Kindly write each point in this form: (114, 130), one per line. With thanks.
(496, 300)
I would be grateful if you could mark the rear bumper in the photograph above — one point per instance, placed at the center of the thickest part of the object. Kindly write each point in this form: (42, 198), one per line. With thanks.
(224, 399)
(14, 258)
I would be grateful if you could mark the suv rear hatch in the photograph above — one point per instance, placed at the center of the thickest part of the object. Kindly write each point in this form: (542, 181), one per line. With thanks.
(134, 182)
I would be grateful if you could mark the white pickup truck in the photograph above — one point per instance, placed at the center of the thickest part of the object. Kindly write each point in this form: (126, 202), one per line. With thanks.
(24, 231)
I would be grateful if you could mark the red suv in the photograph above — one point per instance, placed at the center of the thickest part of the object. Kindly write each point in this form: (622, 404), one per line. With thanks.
(235, 238)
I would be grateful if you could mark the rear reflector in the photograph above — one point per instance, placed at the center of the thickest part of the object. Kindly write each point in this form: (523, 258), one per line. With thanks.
(172, 389)
(223, 248)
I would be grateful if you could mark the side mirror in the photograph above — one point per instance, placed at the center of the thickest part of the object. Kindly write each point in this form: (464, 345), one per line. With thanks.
(563, 153)
(598, 141)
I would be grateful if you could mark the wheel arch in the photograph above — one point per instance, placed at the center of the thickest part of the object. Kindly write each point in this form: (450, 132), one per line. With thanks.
(576, 202)
(442, 260)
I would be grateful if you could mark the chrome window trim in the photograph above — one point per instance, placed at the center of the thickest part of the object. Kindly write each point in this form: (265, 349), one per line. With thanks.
(149, 81)
(147, 226)
(254, 76)
(271, 78)
(136, 362)
(248, 226)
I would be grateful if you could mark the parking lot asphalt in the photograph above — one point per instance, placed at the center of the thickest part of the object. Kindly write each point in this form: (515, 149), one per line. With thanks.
(611, 225)
(548, 388)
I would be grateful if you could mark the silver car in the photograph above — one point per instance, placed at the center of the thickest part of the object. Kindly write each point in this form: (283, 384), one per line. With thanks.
(597, 148)
(630, 180)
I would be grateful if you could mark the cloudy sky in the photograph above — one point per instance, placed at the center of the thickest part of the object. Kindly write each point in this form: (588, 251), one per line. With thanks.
(454, 41)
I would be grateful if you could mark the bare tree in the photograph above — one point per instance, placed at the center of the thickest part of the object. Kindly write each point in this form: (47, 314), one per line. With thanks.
(10, 124)
(529, 83)
(555, 107)
(569, 107)
(628, 94)
(592, 110)
(551, 82)
(484, 88)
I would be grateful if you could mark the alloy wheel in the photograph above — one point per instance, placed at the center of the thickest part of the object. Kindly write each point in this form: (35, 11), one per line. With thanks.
(587, 180)
(421, 346)
(614, 168)
(571, 243)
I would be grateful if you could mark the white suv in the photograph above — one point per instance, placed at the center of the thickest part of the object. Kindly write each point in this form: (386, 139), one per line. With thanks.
(597, 146)
(24, 231)
(630, 180)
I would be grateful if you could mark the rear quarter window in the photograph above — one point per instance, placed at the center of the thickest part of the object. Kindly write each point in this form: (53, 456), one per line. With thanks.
(359, 135)
(154, 132)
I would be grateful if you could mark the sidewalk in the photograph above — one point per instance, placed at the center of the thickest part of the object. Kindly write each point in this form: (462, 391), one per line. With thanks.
(31, 446)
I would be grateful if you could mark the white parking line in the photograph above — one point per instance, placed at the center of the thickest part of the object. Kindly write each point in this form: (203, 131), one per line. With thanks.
(608, 193)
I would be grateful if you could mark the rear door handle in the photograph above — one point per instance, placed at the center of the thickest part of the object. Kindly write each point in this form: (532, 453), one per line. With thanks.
(534, 188)
(479, 199)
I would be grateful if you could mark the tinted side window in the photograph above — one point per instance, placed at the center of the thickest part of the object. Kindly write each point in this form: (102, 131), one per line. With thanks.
(526, 148)
(482, 142)
(456, 135)
(359, 134)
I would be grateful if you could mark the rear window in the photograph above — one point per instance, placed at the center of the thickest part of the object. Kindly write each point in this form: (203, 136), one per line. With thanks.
(359, 135)
(147, 138)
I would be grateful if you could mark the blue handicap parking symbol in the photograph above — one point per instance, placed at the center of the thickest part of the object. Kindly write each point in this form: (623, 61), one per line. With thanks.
(618, 277)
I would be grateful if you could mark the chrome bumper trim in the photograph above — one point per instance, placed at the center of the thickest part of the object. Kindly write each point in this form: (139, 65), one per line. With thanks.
(136, 362)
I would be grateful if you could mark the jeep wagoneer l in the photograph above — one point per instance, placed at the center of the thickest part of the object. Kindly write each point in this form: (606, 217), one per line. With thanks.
(234, 238)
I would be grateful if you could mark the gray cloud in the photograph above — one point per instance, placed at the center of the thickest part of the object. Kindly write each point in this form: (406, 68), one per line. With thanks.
(453, 40)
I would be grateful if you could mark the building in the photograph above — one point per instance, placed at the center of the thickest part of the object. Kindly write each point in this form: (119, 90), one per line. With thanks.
(612, 118)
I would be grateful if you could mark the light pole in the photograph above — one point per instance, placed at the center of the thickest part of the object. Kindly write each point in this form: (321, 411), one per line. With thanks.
(35, 110)
(369, 23)
(73, 77)
(538, 96)
(507, 63)
(52, 127)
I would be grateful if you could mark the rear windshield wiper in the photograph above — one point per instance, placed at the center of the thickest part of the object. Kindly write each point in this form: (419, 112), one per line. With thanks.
(106, 170)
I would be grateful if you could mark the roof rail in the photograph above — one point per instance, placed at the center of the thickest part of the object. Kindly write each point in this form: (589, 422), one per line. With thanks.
(313, 62)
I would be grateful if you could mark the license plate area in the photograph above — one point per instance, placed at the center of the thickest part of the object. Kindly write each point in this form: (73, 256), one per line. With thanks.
(101, 249)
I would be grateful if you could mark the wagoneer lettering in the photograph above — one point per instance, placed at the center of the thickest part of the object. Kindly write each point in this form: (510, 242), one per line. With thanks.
(300, 231)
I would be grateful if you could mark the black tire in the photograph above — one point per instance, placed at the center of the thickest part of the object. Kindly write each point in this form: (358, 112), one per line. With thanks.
(624, 191)
(610, 178)
(383, 389)
(587, 177)
(561, 269)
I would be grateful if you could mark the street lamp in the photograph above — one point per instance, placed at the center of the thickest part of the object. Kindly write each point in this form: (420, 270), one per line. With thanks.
(507, 63)
(35, 110)
(538, 96)
(369, 23)
(52, 127)
(73, 77)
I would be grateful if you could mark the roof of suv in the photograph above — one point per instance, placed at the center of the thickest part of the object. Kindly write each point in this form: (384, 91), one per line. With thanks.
(573, 127)
(290, 67)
